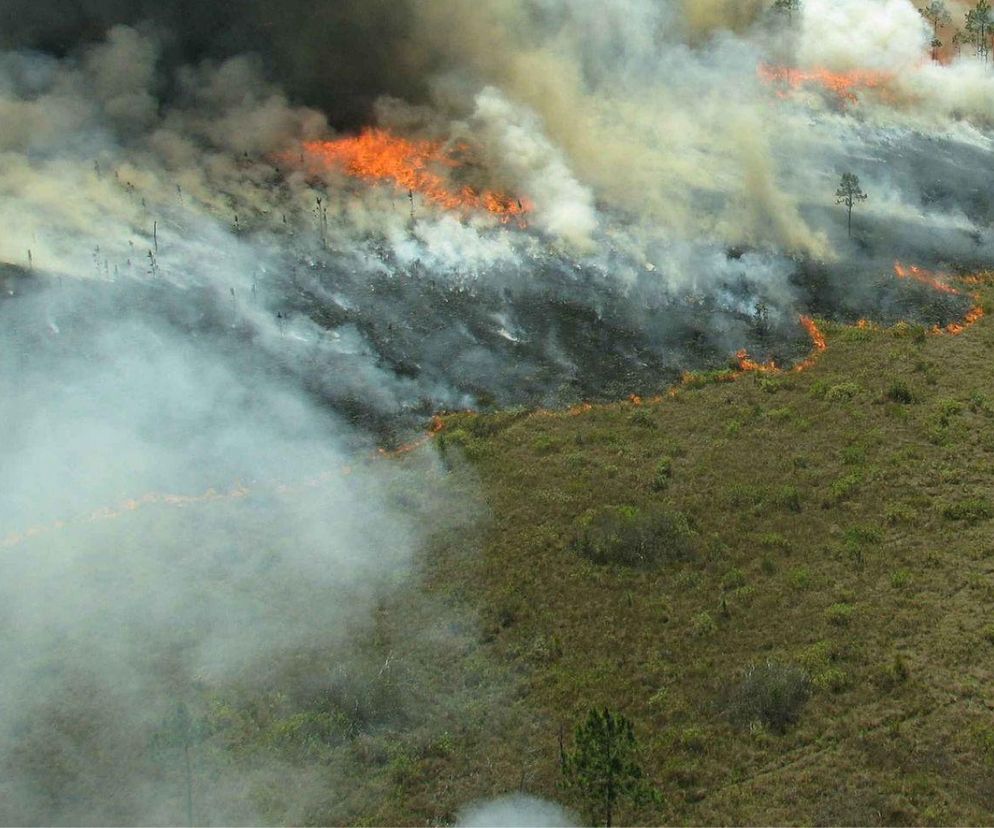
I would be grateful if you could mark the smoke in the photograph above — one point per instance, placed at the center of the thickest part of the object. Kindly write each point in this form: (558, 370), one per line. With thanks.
(515, 810)
(207, 331)
(886, 35)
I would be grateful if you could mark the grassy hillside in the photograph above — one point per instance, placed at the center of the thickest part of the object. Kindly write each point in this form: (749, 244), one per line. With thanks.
(837, 520)
(830, 527)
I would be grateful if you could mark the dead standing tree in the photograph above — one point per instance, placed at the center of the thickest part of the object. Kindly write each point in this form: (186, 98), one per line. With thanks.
(849, 194)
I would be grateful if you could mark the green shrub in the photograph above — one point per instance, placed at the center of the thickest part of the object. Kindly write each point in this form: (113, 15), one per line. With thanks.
(980, 404)
(703, 624)
(949, 408)
(627, 536)
(788, 497)
(839, 614)
(900, 578)
(899, 513)
(842, 392)
(664, 471)
(742, 494)
(771, 693)
(845, 486)
(899, 392)
(799, 578)
(834, 679)
(781, 415)
(898, 669)
(854, 455)
(733, 579)
(643, 419)
(692, 739)
(544, 444)
(972, 510)
(774, 540)
(864, 534)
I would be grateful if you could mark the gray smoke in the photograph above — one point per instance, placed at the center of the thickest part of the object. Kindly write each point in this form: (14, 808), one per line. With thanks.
(515, 810)
(205, 335)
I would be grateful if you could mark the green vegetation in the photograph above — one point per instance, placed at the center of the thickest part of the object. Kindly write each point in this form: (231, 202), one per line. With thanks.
(602, 770)
(771, 694)
(813, 634)
(794, 620)
(628, 536)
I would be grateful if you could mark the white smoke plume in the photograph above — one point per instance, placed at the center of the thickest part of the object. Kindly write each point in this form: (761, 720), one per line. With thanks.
(206, 331)
(515, 810)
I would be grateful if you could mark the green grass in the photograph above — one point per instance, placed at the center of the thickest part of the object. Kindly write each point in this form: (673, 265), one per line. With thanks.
(784, 583)
(828, 536)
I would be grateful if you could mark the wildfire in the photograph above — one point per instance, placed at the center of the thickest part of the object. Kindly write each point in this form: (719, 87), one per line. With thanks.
(925, 277)
(417, 166)
(437, 424)
(749, 365)
(843, 85)
(974, 315)
(818, 342)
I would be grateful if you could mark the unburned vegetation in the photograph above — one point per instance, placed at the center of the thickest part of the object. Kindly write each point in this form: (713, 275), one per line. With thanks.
(784, 582)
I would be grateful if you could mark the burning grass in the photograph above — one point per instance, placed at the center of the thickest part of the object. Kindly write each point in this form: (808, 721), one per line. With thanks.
(412, 166)
(858, 598)
(844, 86)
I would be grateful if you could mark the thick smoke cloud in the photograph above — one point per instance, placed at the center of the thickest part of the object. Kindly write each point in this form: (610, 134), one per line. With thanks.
(206, 331)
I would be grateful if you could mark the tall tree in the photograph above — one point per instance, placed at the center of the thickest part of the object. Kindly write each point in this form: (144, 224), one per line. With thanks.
(787, 7)
(849, 194)
(979, 27)
(603, 767)
(959, 38)
(938, 15)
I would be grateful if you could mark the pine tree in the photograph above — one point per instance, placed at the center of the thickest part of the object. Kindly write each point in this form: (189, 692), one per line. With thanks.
(849, 194)
(979, 26)
(603, 767)
(787, 7)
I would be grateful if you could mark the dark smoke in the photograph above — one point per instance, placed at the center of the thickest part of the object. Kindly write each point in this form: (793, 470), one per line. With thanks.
(337, 55)
(203, 342)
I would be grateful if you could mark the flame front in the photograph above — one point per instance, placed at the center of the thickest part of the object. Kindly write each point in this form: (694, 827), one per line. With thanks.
(925, 277)
(414, 165)
(842, 84)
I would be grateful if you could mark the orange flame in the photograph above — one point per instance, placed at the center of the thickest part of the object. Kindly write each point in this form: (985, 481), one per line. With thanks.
(818, 343)
(437, 424)
(413, 165)
(974, 315)
(747, 364)
(842, 84)
(925, 277)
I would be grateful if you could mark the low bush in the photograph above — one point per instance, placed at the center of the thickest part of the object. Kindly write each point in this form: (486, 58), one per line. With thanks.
(899, 392)
(788, 498)
(839, 614)
(854, 455)
(973, 510)
(664, 471)
(842, 392)
(771, 693)
(703, 624)
(845, 486)
(627, 536)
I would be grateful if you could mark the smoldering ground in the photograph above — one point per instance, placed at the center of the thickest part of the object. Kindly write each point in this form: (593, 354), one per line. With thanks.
(204, 337)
